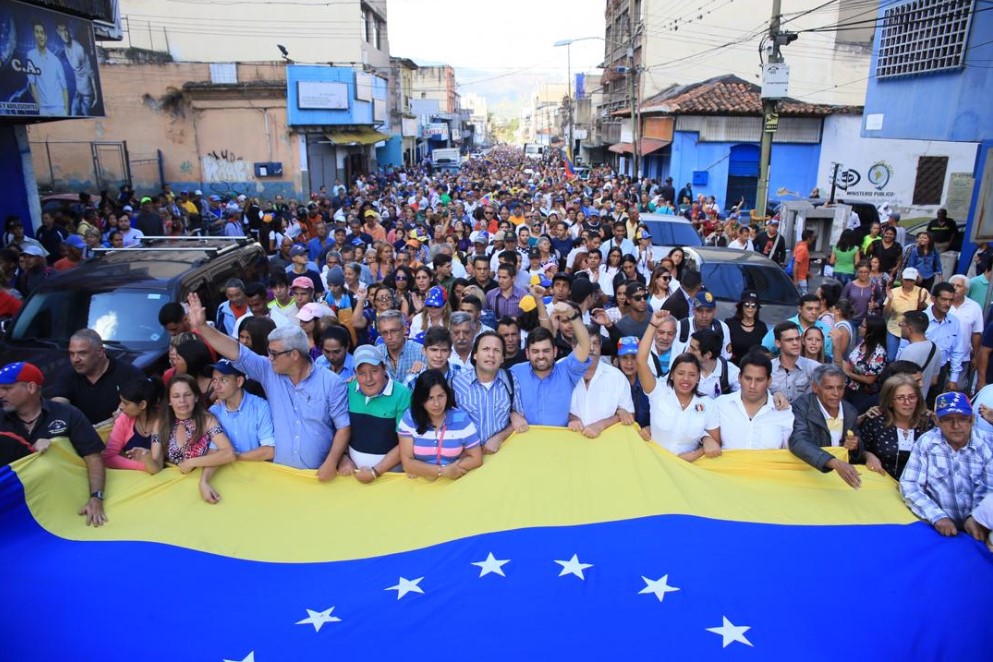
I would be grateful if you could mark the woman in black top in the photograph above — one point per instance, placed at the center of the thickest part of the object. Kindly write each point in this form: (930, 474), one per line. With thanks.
(747, 330)
(888, 436)
(889, 252)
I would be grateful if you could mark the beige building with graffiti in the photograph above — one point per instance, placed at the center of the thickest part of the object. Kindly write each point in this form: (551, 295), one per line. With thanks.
(161, 115)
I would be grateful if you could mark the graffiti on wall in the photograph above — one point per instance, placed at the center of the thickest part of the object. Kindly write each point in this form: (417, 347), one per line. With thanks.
(225, 166)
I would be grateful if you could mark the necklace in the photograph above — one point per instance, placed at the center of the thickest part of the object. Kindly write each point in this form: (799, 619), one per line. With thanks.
(30, 424)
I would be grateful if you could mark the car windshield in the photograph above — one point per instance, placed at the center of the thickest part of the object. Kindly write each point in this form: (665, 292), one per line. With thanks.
(728, 281)
(128, 317)
(672, 233)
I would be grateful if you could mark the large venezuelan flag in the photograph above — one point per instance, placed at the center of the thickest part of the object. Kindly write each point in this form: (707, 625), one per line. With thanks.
(560, 547)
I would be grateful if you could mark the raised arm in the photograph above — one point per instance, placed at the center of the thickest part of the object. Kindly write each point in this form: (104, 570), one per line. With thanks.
(222, 343)
(645, 376)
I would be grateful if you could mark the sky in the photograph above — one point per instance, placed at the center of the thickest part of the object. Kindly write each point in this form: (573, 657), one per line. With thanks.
(498, 37)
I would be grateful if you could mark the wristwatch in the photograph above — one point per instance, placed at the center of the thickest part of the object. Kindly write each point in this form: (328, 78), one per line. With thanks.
(97, 495)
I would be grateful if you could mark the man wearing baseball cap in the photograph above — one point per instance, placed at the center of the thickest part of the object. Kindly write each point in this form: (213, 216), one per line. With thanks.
(950, 469)
(300, 267)
(246, 418)
(29, 423)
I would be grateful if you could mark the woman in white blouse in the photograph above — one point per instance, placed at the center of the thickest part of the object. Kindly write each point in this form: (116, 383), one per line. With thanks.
(682, 420)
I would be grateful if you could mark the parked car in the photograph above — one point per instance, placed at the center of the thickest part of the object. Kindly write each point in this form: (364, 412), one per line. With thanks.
(727, 272)
(669, 231)
(119, 294)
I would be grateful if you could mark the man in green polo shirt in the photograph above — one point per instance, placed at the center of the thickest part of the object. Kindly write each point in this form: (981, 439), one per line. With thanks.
(376, 403)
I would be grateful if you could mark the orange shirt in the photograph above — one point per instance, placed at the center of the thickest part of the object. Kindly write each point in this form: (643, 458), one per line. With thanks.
(801, 261)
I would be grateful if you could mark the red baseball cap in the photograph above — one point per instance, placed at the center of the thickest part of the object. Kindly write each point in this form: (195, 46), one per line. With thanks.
(21, 371)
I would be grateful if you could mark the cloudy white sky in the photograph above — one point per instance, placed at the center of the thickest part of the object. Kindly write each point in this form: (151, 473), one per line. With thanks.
(498, 36)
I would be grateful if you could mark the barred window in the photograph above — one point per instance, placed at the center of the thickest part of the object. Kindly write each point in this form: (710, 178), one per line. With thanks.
(930, 182)
(924, 36)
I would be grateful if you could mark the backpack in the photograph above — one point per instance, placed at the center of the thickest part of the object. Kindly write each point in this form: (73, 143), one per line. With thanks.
(725, 381)
(684, 330)
(789, 265)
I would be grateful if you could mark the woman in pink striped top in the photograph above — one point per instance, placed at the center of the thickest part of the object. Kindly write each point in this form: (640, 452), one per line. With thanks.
(129, 443)
(437, 440)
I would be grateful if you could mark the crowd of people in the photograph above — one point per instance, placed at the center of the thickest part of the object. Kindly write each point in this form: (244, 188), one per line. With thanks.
(412, 321)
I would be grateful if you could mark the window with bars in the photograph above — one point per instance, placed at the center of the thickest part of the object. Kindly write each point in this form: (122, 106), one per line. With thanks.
(924, 36)
(930, 180)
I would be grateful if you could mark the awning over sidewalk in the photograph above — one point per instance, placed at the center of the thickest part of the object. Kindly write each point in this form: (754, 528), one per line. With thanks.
(648, 145)
(361, 135)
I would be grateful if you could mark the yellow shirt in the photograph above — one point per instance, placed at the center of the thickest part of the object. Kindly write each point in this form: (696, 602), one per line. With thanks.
(901, 303)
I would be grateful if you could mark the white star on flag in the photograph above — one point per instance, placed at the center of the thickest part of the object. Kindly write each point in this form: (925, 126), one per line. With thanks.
(250, 658)
(406, 586)
(574, 567)
(731, 632)
(319, 618)
(659, 587)
(491, 565)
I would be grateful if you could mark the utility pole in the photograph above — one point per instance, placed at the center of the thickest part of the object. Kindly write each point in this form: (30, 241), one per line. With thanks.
(775, 80)
(633, 94)
(568, 74)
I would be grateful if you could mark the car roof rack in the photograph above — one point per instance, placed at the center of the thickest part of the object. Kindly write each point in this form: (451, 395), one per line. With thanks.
(233, 243)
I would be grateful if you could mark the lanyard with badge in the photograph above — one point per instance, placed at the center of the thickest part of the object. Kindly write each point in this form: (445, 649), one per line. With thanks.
(440, 436)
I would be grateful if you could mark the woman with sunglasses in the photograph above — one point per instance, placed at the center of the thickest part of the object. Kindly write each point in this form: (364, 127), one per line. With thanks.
(747, 330)
(659, 288)
(400, 282)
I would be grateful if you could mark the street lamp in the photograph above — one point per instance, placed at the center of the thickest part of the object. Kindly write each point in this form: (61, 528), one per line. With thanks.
(568, 58)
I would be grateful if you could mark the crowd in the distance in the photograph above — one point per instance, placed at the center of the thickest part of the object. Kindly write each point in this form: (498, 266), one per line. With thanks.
(412, 321)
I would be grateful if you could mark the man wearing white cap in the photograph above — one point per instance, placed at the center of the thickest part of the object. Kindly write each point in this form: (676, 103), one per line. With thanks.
(34, 269)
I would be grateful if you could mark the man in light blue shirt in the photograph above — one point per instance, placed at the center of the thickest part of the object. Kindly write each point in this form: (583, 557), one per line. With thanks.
(619, 240)
(246, 418)
(546, 386)
(944, 330)
(309, 406)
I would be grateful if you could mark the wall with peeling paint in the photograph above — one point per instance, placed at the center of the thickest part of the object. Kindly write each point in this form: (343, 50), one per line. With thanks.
(210, 136)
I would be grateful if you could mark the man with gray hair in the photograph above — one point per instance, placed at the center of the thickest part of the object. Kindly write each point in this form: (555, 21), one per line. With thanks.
(93, 380)
(309, 406)
(822, 419)
(400, 354)
(463, 334)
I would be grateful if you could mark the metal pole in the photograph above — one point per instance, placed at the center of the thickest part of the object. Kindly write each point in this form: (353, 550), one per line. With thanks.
(568, 73)
(768, 112)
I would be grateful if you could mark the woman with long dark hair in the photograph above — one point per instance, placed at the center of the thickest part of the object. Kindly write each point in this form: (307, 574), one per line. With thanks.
(254, 334)
(400, 282)
(747, 330)
(437, 440)
(628, 273)
(865, 363)
(924, 257)
(192, 358)
(185, 433)
(608, 270)
(130, 442)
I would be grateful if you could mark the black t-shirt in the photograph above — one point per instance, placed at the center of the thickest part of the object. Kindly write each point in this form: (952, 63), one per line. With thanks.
(518, 358)
(97, 401)
(57, 420)
(888, 257)
(743, 340)
(492, 285)
(942, 231)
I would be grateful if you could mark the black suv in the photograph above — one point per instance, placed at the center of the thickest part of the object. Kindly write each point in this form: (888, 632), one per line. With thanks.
(119, 293)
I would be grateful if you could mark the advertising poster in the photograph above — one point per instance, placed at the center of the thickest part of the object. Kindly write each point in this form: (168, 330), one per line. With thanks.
(48, 64)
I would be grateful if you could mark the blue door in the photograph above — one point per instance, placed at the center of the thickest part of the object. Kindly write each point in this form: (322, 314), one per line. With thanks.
(743, 175)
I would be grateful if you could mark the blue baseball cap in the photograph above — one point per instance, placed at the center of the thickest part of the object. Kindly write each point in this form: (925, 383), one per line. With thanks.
(952, 403)
(225, 367)
(75, 241)
(705, 299)
(627, 345)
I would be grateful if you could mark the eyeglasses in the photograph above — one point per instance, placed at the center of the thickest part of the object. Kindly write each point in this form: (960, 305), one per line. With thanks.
(906, 398)
(275, 355)
(385, 298)
(399, 277)
(666, 278)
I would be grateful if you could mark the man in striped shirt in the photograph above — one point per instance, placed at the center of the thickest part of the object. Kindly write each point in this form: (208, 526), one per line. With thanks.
(490, 395)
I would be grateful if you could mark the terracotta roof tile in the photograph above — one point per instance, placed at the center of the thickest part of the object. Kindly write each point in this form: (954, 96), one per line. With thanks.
(729, 95)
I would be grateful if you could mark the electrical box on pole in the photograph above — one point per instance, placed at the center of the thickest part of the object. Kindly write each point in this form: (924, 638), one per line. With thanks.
(775, 80)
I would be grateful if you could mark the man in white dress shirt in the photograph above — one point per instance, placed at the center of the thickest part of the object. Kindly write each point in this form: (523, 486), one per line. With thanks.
(602, 397)
(748, 418)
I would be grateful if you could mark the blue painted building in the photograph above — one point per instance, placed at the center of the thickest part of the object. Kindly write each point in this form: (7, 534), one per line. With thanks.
(931, 80)
(340, 111)
(708, 134)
